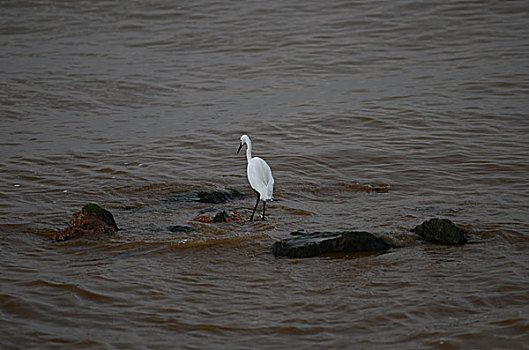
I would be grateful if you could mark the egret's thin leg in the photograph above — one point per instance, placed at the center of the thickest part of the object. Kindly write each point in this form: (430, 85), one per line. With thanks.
(264, 208)
(256, 204)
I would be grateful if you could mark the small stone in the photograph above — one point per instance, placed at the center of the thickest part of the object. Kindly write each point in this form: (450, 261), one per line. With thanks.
(203, 218)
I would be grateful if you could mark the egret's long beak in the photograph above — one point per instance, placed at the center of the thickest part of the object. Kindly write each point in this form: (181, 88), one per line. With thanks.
(240, 146)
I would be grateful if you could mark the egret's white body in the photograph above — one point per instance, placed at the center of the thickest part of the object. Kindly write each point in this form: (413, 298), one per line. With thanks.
(259, 175)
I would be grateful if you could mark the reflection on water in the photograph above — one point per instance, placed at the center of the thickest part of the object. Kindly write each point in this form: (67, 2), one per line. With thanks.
(372, 115)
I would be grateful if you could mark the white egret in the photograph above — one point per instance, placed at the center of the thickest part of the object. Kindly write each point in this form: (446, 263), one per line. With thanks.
(259, 176)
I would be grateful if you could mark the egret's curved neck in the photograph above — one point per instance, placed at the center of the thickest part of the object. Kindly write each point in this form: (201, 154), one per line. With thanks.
(249, 150)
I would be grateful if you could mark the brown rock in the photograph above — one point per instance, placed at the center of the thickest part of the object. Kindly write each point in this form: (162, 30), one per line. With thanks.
(91, 222)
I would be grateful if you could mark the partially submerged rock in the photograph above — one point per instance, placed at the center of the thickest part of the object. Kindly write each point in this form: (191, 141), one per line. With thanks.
(222, 216)
(218, 196)
(219, 216)
(441, 231)
(379, 188)
(215, 197)
(181, 228)
(311, 244)
(91, 222)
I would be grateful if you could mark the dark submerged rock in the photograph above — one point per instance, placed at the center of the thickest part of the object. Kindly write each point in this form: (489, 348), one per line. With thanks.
(441, 231)
(312, 244)
(91, 222)
(221, 216)
(227, 215)
(180, 228)
(217, 197)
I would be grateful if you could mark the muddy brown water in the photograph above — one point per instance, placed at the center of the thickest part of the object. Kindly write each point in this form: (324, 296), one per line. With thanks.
(127, 103)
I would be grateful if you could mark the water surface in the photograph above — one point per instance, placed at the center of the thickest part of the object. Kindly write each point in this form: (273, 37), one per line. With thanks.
(126, 104)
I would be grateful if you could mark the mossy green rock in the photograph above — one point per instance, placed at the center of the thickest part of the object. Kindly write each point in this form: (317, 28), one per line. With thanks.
(103, 214)
(92, 222)
(442, 231)
(312, 244)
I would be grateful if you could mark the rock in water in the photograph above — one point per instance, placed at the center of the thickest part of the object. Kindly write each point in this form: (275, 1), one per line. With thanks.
(180, 228)
(91, 222)
(312, 244)
(206, 196)
(218, 196)
(222, 216)
(227, 215)
(441, 231)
